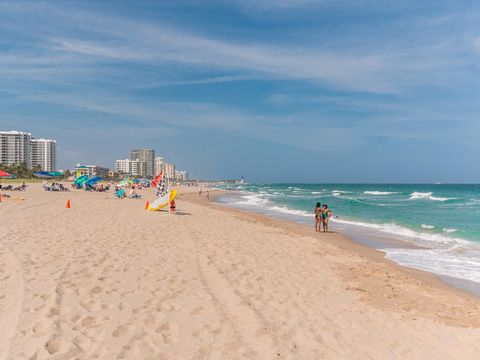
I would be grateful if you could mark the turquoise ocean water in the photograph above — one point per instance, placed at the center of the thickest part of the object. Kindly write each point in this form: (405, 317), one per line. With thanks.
(444, 220)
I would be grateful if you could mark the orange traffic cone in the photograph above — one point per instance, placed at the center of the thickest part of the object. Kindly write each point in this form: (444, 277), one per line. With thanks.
(147, 205)
(69, 206)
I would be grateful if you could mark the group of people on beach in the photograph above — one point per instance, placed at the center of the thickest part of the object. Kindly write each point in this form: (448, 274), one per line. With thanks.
(22, 187)
(322, 216)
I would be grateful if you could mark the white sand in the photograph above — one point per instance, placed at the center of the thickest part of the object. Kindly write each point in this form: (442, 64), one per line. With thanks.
(108, 280)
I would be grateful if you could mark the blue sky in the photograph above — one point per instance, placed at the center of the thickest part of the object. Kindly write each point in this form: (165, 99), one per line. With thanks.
(286, 90)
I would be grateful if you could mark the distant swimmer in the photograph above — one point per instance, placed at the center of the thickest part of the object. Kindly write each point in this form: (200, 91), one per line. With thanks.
(326, 215)
(318, 215)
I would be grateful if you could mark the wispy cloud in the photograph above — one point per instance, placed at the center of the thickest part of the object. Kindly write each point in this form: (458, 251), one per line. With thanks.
(388, 78)
(115, 38)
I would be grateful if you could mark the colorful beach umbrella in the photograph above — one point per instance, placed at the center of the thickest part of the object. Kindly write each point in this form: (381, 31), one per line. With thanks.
(4, 174)
(43, 174)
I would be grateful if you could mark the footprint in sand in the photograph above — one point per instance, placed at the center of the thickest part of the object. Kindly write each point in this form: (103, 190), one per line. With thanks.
(166, 306)
(196, 311)
(97, 290)
(169, 332)
(52, 346)
(88, 321)
(121, 330)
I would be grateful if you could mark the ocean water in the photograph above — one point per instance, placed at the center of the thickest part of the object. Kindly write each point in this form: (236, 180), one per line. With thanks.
(442, 221)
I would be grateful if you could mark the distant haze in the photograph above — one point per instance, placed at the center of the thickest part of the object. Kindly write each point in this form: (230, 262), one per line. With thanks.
(277, 91)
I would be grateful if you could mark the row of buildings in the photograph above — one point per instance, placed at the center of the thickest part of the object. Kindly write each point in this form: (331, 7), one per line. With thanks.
(18, 147)
(144, 163)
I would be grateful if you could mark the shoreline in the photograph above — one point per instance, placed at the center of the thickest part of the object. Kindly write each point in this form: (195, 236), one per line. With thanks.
(345, 242)
(372, 242)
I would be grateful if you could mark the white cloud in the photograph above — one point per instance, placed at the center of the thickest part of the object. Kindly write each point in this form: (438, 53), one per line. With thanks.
(83, 38)
(115, 38)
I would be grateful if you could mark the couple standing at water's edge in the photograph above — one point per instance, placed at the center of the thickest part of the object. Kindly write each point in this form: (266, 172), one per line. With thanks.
(322, 216)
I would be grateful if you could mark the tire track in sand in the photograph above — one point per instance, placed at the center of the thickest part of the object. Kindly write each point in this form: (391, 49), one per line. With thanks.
(11, 299)
(247, 324)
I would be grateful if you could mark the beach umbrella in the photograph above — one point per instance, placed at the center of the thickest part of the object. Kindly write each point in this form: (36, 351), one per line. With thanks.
(4, 174)
(93, 180)
(43, 174)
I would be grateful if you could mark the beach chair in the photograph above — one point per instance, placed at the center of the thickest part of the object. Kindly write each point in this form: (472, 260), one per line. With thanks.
(63, 188)
(22, 187)
(134, 196)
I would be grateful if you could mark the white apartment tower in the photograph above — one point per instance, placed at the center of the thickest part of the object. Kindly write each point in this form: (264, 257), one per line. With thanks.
(15, 147)
(43, 154)
(181, 175)
(145, 156)
(158, 165)
(127, 166)
(169, 171)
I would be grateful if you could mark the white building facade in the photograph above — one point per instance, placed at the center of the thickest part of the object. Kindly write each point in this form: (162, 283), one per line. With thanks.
(169, 170)
(181, 175)
(131, 167)
(146, 156)
(158, 165)
(15, 147)
(44, 154)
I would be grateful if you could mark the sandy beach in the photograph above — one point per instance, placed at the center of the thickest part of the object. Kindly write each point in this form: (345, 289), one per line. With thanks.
(108, 280)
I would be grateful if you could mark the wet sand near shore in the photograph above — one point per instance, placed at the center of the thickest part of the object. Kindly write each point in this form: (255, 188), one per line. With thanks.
(108, 280)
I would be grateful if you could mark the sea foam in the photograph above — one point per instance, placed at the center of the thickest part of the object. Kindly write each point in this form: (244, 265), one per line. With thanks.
(379, 192)
(427, 196)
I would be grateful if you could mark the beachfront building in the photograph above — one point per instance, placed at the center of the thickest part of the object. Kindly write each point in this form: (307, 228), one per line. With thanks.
(131, 167)
(158, 165)
(145, 156)
(181, 175)
(43, 154)
(91, 171)
(169, 170)
(15, 147)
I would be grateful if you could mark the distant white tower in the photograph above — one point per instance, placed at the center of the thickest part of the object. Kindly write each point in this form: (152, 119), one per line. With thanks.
(44, 154)
(15, 147)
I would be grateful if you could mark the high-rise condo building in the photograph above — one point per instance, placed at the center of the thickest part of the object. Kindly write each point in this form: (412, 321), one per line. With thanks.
(181, 175)
(169, 170)
(127, 166)
(15, 147)
(158, 165)
(147, 156)
(43, 154)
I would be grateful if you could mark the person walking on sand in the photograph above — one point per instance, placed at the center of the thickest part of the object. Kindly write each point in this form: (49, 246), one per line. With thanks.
(200, 192)
(208, 195)
(326, 215)
(318, 216)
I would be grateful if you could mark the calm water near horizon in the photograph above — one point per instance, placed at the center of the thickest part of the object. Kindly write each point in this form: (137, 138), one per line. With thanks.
(444, 219)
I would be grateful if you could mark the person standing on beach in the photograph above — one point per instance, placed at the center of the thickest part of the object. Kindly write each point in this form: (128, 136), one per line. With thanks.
(318, 214)
(208, 195)
(326, 214)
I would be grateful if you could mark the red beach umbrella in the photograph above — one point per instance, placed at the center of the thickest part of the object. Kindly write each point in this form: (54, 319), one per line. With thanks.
(5, 174)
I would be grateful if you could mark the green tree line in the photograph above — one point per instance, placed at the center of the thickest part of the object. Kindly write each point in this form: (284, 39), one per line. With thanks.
(20, 170)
